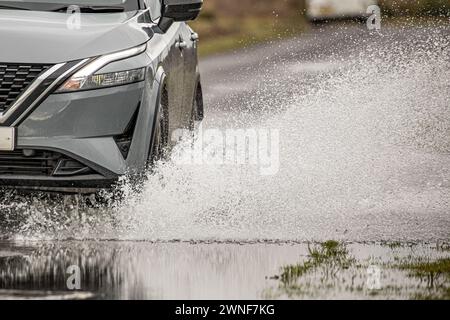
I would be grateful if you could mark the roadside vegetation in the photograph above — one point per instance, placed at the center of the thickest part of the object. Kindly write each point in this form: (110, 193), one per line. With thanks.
(228, 25)
(394, 271)
(435, 273)
(331, 256)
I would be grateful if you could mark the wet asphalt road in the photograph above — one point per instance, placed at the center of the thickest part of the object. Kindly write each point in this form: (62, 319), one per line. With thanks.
(241, 89)
(233, 80)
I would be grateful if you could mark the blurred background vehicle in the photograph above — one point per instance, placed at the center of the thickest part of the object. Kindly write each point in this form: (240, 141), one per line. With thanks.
(335, 9)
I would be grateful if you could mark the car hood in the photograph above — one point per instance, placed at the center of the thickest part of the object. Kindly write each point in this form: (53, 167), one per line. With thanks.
(47, 37)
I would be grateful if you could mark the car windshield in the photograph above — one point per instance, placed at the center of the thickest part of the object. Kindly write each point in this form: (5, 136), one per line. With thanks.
(64, 5)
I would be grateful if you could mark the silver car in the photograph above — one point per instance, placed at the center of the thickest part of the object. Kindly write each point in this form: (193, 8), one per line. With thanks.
(93, 89)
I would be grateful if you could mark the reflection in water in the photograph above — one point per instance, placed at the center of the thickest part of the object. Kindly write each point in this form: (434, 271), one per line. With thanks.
(212, 270)
(44, 268)
(144, 270)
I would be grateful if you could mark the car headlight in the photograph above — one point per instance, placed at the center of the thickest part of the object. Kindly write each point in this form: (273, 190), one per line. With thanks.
(87, 79)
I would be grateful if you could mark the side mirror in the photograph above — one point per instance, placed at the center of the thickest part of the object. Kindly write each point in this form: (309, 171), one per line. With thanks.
(179, 10)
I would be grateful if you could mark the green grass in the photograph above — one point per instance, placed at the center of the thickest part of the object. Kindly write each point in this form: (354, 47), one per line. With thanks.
(424, 269)
(332, 256)
(436, 274)
(330, 267)
(226, 34)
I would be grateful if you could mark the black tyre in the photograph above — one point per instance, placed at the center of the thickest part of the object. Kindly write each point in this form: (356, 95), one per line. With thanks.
(197, 110)
(160, 137)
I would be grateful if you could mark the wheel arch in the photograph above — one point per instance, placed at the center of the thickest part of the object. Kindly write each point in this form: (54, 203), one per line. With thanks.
(143, 136)
(161, 79)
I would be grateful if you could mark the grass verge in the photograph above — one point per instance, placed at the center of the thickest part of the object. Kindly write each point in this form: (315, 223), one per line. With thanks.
(387, 271)
(225, 34)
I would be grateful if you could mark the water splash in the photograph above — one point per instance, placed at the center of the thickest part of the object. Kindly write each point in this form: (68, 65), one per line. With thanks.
(364, 155)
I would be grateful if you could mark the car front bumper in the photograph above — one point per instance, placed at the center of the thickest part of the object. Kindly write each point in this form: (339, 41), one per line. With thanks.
(79, 129)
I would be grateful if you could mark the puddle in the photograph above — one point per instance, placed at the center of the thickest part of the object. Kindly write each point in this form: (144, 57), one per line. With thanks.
(142, 270)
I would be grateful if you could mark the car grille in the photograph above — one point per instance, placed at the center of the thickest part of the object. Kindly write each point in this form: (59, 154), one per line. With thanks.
(40, 163)
(15, 79)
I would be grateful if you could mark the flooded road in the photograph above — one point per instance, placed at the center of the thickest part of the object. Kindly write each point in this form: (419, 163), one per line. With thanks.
(139, 270)
(363, 121)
